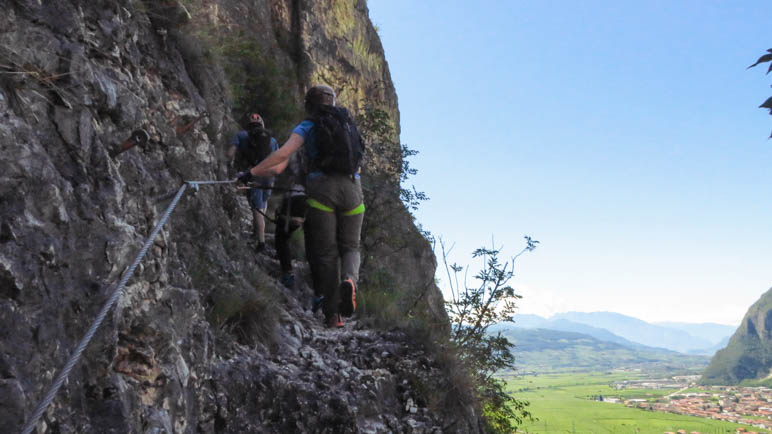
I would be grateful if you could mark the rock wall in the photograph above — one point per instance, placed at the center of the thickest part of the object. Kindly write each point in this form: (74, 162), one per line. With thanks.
(748, 355)
(203, 339)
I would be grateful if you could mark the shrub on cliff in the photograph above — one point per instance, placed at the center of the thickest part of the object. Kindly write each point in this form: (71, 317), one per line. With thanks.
(472, 309)
(395, 250)
(256, 82)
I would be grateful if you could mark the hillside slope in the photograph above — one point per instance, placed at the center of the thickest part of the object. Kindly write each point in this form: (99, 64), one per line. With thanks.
(537, 322)
(711, 332)
(639, 331)
(544, 350)
(748, 356)
(203, 338)
(698, 339)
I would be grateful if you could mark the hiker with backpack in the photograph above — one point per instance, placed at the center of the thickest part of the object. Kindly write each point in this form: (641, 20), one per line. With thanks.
(250, 146)
(334, 148)
(290, 216)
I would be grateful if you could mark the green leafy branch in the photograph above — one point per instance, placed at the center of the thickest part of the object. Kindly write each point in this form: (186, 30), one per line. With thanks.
(472, 310)
(764, 59)
(379, 133)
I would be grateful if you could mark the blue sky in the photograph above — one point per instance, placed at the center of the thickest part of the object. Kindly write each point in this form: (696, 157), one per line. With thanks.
(625, 136)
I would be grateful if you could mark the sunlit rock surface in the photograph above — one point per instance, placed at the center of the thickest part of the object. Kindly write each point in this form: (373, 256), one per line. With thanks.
(180, 352)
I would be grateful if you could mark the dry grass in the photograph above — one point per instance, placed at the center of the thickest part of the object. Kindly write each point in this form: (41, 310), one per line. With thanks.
(248, 313)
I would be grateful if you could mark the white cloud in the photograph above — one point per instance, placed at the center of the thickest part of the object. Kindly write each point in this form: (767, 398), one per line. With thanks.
(542, 302)
(651, 307)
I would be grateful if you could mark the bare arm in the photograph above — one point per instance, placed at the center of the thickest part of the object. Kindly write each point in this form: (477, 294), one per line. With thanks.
(275, 163)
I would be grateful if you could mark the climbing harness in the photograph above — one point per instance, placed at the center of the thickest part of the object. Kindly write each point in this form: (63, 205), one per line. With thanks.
(70, 364)
(313, 203)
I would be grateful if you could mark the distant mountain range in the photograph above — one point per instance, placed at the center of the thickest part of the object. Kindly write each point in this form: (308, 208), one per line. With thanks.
(543, 350)
(701, 339)
(607, 340)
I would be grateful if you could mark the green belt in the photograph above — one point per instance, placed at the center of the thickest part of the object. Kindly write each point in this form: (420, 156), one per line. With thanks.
(313, 203)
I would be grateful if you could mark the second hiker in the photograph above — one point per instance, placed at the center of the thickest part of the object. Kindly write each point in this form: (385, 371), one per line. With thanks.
(334, 149)
(290, 217)
(249, 147)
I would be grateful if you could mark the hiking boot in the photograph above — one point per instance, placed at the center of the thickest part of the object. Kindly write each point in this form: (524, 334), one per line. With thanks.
(316, 303)
(333, 321)
(260, 247)
(348, 297)
(288, 280)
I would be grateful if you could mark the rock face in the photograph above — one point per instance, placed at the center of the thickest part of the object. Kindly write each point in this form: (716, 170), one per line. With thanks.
(203, 339)
(748, 356)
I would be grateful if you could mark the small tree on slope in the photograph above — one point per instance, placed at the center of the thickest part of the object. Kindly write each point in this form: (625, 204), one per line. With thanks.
(472, 310)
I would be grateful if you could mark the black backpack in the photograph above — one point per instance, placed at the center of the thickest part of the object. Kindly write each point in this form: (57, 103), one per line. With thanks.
(339, 145)
(259, 146)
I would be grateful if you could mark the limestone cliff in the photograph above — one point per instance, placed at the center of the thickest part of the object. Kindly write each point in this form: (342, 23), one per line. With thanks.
(203, 339)
(748, 355)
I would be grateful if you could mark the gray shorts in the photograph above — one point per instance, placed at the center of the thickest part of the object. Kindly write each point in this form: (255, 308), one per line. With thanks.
(258, 197)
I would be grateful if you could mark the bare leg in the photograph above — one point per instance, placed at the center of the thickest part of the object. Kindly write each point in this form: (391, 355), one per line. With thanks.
(258, 225)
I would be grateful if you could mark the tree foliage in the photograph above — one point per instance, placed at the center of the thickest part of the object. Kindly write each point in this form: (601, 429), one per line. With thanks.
(472, 310)
(387, 230)
(380, 135)
(764, 59)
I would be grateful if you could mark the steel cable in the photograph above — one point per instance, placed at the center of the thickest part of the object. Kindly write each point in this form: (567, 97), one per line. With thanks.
(41, 408)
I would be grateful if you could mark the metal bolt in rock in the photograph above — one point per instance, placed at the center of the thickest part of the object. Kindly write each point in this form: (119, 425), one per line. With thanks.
(138, 137)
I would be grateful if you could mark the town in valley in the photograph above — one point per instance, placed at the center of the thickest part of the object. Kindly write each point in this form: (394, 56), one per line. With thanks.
(743, 405)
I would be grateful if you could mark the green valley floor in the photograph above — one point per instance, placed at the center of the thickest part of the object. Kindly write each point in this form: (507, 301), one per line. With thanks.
(569, 403)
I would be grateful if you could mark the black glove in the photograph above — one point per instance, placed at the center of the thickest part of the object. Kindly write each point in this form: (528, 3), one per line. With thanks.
(245, 176)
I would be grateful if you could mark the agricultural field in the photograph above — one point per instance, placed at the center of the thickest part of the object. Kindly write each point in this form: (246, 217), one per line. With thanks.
(567, 403)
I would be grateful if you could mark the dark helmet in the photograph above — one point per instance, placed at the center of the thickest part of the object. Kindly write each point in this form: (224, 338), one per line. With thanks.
(319, 94)
(255, 119)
